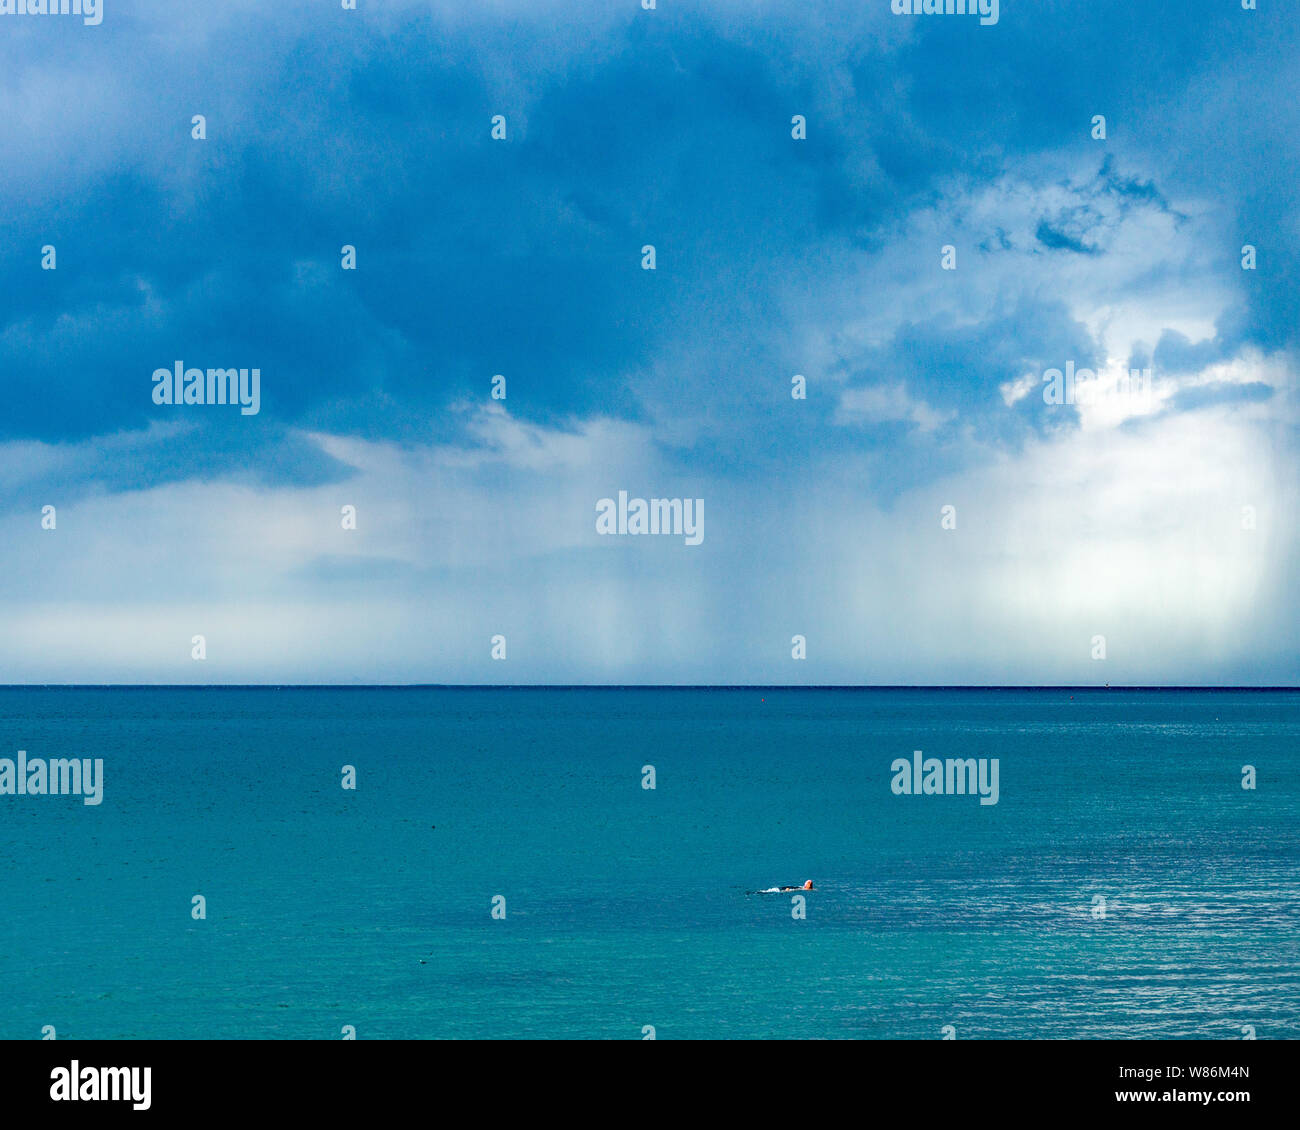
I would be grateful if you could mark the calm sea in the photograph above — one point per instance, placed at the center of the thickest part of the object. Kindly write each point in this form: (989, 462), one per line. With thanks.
(628, 907)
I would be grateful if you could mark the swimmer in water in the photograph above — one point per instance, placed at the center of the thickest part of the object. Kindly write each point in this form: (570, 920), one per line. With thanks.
(807, 886)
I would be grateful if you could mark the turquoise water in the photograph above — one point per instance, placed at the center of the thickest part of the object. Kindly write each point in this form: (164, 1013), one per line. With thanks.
(628, 907)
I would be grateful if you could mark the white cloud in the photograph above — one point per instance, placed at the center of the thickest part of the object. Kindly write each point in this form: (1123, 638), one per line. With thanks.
(876, 404)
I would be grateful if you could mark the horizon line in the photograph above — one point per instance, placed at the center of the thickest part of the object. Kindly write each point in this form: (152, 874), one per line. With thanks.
(665, 686)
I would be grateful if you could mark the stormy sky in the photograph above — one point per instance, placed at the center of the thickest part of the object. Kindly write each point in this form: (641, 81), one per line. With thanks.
(1165, 523)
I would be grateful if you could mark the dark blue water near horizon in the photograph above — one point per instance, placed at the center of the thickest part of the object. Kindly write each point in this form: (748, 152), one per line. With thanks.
(628, 907)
